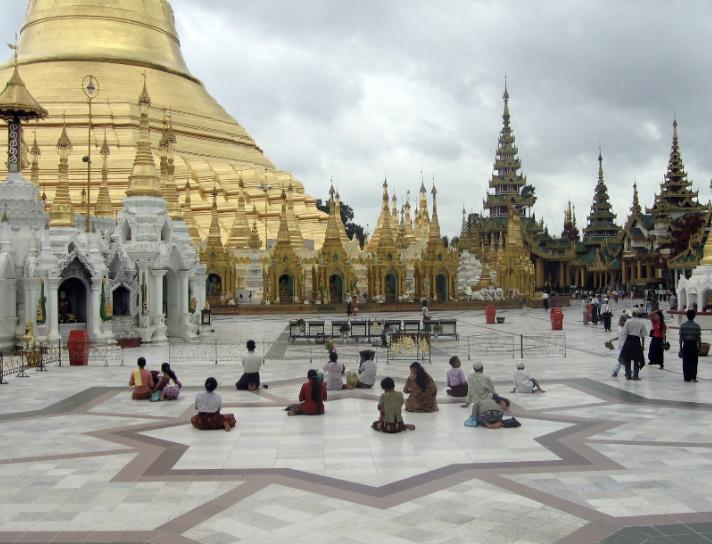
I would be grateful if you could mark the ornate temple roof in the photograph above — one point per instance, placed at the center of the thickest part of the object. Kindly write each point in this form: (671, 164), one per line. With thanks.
(676, 196)
(601, 221)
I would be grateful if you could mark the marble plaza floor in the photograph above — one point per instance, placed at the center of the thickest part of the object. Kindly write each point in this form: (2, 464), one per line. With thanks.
(597, 458)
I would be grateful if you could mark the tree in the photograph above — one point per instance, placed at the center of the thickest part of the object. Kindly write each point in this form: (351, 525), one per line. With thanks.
(347, 215)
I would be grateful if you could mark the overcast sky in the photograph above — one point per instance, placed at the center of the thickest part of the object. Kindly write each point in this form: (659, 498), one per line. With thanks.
(353, 90)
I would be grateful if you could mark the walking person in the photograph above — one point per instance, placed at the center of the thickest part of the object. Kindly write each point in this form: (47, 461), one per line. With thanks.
(658, 338)
(594, 311)
(632, 353)
(606, 314)
(349, 305)
(622, 335)
(545, 301)
(690, 338)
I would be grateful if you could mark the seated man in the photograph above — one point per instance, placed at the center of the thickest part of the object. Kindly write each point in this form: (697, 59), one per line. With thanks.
(480, 388)
(142, 381)
(524, 383)
(367, 369)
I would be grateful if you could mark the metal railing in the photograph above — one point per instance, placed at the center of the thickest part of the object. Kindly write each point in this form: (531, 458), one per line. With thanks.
(509, 346)
(37, 357)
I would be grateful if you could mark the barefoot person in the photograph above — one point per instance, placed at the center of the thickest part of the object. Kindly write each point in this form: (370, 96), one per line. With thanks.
(251, 363)
(208, 404)
(168, 391)
(480, 388)
(311, 397)
(367, 369)
(690, 338)
(334, 372)
(389, 406)
(142, 381)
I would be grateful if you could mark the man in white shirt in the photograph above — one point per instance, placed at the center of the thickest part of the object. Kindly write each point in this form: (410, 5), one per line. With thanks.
(606, 314)
(524, 383)
(252, 362)
(367, 370)
(632, 352)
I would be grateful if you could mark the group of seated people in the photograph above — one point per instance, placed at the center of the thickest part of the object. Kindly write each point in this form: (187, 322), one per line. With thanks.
(478, 390)
(152, 384)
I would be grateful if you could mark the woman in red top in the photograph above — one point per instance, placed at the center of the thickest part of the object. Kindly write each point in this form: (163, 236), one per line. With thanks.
(311, 397)
(658, 336)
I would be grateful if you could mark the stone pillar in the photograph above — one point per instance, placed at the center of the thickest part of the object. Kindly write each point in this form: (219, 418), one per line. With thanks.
(561, 275)
(156, 305)
(638, 273)
(183, 307)
(624, 273)
(52, 285)
(94, 321)
(31, 302)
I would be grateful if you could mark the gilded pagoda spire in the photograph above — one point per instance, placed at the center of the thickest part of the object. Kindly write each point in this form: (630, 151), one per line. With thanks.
(240, 232)
(62, 211)
(188, 214)
(383, 234)
(214, 235)
(676, 196)
(422, 219)
(394, 209)
(601, 221)
(570, 231)
(408, 233)
(168, 167)
(434, 233)
(144, 180)
(255, 242)
(283, 236)
(103, 206)
(332, 237)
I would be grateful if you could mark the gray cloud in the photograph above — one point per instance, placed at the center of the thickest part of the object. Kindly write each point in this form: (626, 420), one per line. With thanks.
(356, 89)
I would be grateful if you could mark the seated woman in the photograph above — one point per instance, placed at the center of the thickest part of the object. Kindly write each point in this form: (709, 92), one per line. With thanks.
(334, 371)
(208, 405)
(456, 380)
(367, 369)
(142, 381)
(524, 383)
(251, 363)
(421, 389)
(168, 391)
(389, 405)
(311, 397)
(490, 416)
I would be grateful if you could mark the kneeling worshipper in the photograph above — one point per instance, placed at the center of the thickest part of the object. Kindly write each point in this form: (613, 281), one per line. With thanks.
(421, 389)
(311, 397)
(208, 405)
(481, 388)
(367, 369)
(164, 387)
(142, 381)
(389, 406)
(491, 414)
(251, 363)
(524, 383)
(456, 380)
(334, 373)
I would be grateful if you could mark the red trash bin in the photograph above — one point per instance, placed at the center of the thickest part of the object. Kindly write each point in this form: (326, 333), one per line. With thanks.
(557, 319)
(78, 347)
(490, 314)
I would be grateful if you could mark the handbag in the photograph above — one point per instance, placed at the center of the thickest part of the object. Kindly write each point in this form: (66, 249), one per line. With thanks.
(471, 422)
(155, 396)
(352, 378)
(666, 345)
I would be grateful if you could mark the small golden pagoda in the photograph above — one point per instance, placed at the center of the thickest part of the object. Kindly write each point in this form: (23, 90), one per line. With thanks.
(62, 212)
(103, 199)
(220, 268)
(283, 281)
(335, 277)
(436, 272)
(240, 232)
(515, 270)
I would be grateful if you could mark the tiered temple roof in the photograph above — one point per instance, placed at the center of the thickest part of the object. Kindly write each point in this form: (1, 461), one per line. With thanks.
(601, 221)
(676, 196)
(507, 180)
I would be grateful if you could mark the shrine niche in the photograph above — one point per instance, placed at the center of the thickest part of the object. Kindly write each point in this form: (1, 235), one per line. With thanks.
(441, 287)
(72, 301)
(286, 289)
(336, 289)
(121, 301)
(213, 286)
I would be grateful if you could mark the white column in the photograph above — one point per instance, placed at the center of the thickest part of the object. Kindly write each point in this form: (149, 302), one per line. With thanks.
(52, 286)
(94, 324)
(31, 302)
(156, 305)
(183, 292)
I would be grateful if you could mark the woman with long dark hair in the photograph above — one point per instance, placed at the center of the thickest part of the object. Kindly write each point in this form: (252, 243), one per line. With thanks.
(658, 336)
(168, 392)
(311, 397)
(421, 389)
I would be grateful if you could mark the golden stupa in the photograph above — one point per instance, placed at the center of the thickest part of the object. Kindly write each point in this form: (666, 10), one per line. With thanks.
(117, 41)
